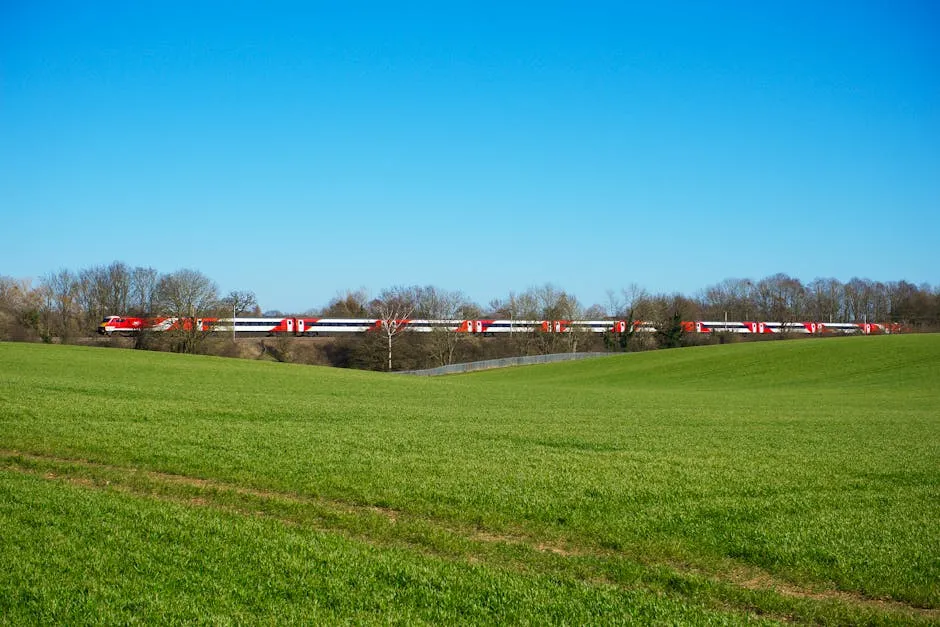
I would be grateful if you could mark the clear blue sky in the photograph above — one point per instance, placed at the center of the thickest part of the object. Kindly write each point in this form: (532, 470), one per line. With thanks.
(299, 149)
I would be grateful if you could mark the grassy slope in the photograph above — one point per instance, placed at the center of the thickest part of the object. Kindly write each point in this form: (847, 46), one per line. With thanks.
(815, 462)
(820, 460)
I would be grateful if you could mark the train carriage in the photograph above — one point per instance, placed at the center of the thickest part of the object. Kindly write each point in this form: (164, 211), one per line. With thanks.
(306, 326)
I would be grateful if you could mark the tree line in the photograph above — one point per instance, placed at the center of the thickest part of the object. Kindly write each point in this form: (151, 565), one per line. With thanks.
(66, 306)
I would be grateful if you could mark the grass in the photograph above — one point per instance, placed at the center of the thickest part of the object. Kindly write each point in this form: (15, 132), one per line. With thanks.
(113, 559)
(789, 480)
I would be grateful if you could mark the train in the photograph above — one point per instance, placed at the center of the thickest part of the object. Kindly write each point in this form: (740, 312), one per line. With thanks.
(306, 326)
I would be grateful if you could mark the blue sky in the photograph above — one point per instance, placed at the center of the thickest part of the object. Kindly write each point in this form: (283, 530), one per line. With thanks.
(300, 149)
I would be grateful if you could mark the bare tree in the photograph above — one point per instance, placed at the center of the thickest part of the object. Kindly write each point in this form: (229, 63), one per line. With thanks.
(858, 297)
(60, 305)
(437, 304)
(351, 304)
(144, 282)
(188, 296)
(880, 302)
(780, 298)
(508, 308)
(824, 300)
(525, 305)
(240, 302)
(562, 307)
(916, 306)
(93, 293)
(393, 308)
(595, 312)
(731, 299)
(547, 302)
(626, 300)
(119, 287)
(19, 309)
(104, 290)
(557, 307)
(620, 307)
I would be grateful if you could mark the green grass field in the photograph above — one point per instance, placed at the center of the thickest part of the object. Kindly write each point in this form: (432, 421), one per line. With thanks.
(779, 481)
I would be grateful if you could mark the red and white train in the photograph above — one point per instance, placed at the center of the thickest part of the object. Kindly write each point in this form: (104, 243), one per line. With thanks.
(331, 326)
